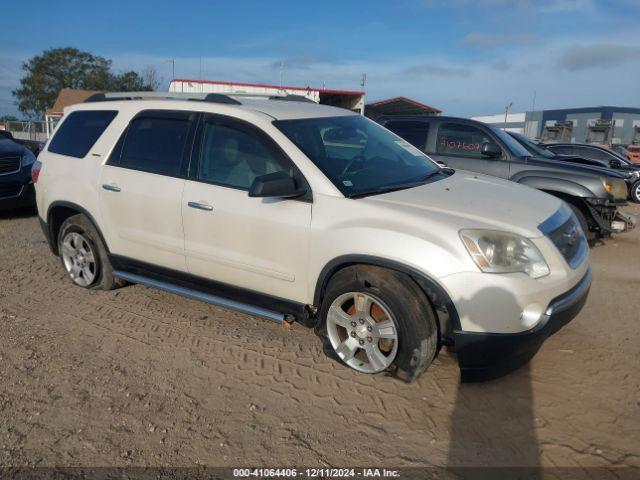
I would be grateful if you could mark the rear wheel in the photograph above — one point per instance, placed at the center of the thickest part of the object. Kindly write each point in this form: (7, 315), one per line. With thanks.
(376, 320)
(84, 255)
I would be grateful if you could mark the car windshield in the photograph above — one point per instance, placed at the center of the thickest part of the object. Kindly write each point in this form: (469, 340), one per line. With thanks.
(359, 156)
(532, 147)
(510, 142)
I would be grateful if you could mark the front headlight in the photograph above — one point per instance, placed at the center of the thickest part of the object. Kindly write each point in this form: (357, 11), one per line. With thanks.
(614, 187)
(28, 158)
(504, 252)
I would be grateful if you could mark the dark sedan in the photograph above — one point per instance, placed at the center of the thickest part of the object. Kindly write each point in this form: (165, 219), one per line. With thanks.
(16, 187)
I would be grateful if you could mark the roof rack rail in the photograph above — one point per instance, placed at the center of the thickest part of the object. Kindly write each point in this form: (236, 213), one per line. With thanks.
(291, 98)
(229, 99)
(202, 97)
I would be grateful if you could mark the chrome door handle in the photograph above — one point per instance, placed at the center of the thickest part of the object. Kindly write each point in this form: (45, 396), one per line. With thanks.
(111, 187)
(200, 206)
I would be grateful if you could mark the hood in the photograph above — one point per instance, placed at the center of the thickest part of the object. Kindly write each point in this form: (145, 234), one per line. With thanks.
(563, 164)
(10, 147)
(476, 201)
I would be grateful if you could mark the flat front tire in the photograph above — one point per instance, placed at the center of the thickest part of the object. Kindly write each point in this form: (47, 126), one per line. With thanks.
(377, 320)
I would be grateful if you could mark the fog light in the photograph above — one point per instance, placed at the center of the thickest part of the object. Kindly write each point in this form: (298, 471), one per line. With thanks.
(618, 226)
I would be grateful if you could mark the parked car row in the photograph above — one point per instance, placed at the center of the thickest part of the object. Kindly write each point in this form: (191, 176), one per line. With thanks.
(593, 191)
(584, 154)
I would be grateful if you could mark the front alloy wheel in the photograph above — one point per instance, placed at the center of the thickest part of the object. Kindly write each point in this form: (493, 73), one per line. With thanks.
(79, 259)
(362, 332)
(635, 192)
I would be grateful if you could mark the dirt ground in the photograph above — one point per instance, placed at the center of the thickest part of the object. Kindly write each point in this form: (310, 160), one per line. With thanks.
(141, 377)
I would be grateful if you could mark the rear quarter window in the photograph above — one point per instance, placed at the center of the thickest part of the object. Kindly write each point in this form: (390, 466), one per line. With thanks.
(80, 131)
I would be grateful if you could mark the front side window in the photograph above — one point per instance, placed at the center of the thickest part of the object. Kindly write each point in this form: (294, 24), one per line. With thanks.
(155, 145)
(562, 150)
(79, 132)
(359, 156)
(459, 139)
(413, 132)
(234, 157)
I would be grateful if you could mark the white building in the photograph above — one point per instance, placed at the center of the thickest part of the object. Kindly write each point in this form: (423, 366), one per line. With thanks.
(515, 122)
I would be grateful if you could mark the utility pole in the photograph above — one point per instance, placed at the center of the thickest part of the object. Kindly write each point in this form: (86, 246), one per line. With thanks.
(363, 82)
(533, 104)
(506, 113)
(281, 72)
(173, 69)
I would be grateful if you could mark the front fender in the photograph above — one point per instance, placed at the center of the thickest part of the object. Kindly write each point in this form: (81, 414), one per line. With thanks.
(559, 185)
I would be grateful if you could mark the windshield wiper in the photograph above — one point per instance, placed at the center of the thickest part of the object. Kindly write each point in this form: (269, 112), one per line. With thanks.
(395, 187)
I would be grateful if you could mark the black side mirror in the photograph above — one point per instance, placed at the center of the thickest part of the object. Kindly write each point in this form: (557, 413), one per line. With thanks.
(491, 150)
(615, 163)
(277, 184)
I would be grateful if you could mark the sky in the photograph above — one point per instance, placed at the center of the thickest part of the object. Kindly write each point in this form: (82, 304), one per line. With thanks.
(466, 57)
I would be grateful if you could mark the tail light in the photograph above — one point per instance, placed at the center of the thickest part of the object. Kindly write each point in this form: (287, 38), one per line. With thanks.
(35, 171)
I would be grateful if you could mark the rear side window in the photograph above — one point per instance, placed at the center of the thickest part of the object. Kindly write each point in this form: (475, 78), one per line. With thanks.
(155, 145)
(413, 132)
(457, 139)
(80, 131)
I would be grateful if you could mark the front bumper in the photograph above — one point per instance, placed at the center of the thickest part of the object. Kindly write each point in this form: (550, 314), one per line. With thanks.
(17, 195)
(483, 356)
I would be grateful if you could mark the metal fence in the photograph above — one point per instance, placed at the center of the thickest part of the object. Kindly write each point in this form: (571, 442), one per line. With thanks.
(38, 131)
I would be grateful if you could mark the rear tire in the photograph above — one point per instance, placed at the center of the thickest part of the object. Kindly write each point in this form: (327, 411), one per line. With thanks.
(84, 256)
(378, 320)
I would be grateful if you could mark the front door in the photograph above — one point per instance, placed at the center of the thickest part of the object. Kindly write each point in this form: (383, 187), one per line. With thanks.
(260, 244)
(459, 146)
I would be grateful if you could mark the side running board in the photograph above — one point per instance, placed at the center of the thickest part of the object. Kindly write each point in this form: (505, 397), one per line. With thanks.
(214, 299)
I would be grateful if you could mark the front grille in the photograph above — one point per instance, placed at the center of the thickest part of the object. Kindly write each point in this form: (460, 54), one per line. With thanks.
(570, 240)
(9, 164)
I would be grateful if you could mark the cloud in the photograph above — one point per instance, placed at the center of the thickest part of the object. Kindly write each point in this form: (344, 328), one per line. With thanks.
(435, 70)
(566, 6)
(597, 56)
(492, 40)
(543, 6)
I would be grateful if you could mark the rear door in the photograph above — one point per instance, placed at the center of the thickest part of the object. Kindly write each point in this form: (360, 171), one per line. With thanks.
(259, 244)
(459, 146)
(142, 185)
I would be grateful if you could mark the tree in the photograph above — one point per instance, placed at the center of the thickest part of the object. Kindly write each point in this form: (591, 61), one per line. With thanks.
(55, 69)
(8, 118)
(129, 81)
(46, 74)
(152, 78)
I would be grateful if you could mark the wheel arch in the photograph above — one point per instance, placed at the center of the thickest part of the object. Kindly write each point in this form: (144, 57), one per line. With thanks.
(443, 306)
(57, 213)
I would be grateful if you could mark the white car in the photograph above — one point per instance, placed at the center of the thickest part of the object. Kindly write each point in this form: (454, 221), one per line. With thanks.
(299, 212)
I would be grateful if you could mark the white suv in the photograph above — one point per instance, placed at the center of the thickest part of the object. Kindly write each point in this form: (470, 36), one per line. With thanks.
(299, 212)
